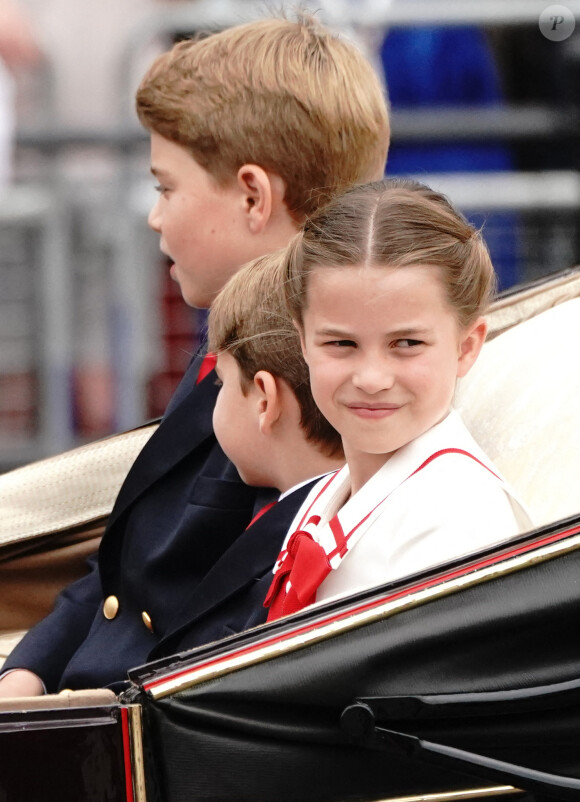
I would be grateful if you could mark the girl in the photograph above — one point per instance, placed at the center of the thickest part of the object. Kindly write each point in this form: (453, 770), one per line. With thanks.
(387, 286)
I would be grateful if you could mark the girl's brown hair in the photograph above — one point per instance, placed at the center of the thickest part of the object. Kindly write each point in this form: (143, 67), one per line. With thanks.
(397, 223)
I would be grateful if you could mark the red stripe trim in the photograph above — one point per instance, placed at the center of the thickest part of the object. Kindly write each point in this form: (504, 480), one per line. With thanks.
(454, 451)
(340, 538)
(127, 754)
(337, 529)
(315, 499)
(440, 579)
(284, 552)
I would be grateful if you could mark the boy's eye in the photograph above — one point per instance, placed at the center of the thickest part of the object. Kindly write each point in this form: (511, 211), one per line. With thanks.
(218, 382)
(160, 188)
(407, 342)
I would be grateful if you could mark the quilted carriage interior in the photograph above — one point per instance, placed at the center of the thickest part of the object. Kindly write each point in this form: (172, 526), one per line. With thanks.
(520, 401)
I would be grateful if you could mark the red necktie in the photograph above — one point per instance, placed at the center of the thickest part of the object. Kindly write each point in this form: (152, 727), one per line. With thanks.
(261, 512)
(306, 566)
(206, 367)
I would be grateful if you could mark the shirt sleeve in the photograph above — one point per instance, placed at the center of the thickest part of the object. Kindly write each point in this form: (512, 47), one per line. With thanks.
(47, 648)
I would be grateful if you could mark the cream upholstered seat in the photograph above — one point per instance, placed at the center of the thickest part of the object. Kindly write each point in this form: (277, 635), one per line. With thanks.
(94, 697)
(52, 514)
(521, 401)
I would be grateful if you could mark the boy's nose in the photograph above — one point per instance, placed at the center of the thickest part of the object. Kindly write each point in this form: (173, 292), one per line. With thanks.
(154, 218)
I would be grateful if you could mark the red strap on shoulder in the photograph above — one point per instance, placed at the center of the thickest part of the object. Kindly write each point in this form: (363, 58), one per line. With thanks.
(453, 451)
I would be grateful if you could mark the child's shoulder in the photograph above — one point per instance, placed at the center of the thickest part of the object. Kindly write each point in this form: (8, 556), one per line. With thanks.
(446, 449)
(453, 476)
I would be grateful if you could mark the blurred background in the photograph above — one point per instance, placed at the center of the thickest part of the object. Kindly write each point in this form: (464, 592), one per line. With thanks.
(485, 105)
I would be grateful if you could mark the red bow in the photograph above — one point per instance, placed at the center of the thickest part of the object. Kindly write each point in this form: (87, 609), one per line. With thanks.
(306, 566)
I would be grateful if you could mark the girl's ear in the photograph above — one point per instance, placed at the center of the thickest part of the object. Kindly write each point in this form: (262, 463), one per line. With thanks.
(470, 344)
(262, 192)
(268, 400)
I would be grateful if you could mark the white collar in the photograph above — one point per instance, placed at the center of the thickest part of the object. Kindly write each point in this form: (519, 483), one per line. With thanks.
(301, 484)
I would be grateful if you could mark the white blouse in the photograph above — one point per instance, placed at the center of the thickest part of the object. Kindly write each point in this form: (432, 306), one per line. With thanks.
(429, 503)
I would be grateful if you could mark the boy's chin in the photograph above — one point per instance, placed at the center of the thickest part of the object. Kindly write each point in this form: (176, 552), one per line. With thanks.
(195, 299)
(193, 295)
(250, 478)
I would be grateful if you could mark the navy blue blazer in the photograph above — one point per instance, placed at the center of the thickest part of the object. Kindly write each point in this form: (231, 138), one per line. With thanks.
(230, 597)
(164, 557)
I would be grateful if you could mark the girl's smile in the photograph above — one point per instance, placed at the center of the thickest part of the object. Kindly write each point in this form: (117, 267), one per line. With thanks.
(384, 350)
(372, 410)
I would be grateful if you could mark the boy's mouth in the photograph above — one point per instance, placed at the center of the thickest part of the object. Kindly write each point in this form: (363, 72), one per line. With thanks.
(166, 255)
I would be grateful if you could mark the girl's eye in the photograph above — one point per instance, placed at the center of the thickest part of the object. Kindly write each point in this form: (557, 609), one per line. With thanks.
(160, 189)
(218, 382)
(408, 343)
(341, 343)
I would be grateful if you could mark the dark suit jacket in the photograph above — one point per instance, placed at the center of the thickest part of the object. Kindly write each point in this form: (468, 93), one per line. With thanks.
(165, 553)
(230, 597)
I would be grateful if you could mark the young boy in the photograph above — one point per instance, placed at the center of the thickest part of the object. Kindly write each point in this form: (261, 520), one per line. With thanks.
(265, 418)
(267, 423)
(251, 129)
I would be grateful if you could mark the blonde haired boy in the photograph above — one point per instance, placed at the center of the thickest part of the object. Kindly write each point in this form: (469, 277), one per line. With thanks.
(251, 129)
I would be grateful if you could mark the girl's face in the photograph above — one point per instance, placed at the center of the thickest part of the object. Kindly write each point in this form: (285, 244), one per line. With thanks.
(384, 349)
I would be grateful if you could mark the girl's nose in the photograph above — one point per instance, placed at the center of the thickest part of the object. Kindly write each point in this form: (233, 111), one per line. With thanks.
(373, 374)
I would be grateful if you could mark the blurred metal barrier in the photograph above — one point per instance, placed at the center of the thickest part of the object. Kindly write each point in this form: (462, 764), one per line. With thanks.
(35, 326)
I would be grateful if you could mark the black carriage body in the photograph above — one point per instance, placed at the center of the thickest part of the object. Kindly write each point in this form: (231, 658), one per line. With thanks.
(483, 657)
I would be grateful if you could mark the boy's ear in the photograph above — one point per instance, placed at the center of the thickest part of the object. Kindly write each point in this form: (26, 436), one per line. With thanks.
(262, 193)
(470, 344)
(268, 399)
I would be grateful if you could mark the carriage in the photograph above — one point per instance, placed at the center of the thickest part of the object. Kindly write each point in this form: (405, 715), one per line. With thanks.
(461, 682)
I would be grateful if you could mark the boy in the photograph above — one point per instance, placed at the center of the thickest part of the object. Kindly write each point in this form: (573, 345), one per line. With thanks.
(251, 129)
(265, 418)
(266, 422)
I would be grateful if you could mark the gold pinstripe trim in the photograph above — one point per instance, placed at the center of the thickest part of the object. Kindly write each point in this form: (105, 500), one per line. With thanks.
(137, 762)
(457, 796)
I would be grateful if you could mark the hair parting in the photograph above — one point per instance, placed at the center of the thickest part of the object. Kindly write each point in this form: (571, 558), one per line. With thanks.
(394, 223)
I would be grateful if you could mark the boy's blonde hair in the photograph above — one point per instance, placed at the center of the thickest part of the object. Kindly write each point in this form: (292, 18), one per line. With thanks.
(249, 320)
(394, 223)
(288, 96)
